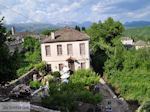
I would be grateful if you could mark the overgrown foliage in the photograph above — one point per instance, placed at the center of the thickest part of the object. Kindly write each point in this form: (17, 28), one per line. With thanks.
(35, 84)
(128, 71)
(31, 55)
(66, 96)
(145, 107)
(86, 77)
(101, 44)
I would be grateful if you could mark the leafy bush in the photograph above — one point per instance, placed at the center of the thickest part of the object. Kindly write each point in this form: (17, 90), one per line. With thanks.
(24, 70)
(55, 74)
(145, 107)
(41, 67)
(65, 96)
(46, 78)
(35, 84)
(86, 77)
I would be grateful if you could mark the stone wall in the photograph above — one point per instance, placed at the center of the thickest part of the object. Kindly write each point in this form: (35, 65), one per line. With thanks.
(24, 79)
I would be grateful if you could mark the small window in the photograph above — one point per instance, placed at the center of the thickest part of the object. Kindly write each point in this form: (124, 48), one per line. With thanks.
(47, 49)
(59, 49)
(83, 66)
(48, 68)
(82, 49)
(69, 49)
(60, 67)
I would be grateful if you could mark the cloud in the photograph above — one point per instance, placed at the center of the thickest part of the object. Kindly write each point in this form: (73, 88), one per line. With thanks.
(139, 14)
(54, 11)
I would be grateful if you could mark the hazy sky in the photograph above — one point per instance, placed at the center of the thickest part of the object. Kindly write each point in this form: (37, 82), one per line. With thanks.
(58, 11)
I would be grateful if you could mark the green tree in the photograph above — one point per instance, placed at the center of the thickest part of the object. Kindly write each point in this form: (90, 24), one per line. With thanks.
(8, 63)
(31, 44)
(77, 28)
(103, 35)
(83, 28)
(31, 55)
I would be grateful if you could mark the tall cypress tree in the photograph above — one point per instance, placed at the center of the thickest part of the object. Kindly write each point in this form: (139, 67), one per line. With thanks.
(7, 61)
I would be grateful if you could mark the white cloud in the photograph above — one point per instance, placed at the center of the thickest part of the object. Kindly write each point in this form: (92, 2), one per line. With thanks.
(104, 6)
(139, 14)
(54, 11)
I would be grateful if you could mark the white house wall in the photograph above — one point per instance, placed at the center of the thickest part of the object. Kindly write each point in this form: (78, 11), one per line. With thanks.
(55, 60)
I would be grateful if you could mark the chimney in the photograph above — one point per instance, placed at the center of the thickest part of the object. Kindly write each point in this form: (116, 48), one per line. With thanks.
(52, 35)
(13, 30)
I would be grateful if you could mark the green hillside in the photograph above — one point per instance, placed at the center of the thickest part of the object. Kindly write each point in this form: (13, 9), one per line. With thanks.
(142, 33)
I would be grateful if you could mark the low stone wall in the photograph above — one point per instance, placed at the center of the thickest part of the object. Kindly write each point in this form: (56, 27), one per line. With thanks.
(24, 79)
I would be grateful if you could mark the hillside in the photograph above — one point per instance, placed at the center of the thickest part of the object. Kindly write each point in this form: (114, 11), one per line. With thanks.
(142, 33)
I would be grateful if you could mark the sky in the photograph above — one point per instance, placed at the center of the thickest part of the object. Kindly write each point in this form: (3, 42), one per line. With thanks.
(59, 11)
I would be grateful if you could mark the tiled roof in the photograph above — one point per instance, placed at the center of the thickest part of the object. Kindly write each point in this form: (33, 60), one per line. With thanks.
(66, 34)
(140, 43)
(126, 38)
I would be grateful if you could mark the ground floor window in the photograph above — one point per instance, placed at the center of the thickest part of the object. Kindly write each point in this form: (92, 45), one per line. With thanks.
(48, 68)
(60, 67)
(83, 66)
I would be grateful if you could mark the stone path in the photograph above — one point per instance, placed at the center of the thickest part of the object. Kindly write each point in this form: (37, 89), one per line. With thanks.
(110, 101)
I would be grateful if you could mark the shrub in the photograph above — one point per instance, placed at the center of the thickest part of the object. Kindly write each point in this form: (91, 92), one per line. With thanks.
(24, 70)
(46, 78)
(41, 67)
(65, 96)
(56, 74)
(35, 84)
(86, 77)
(145, 107)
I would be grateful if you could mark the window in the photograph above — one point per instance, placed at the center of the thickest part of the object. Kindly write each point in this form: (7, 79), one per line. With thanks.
(60, 67)
(69, 49)
(82, 49)
(48, 68)
(59, 49)
(47, 49)
(83, 66)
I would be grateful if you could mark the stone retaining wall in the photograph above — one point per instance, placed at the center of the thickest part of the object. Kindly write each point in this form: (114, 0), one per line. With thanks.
(24, 79)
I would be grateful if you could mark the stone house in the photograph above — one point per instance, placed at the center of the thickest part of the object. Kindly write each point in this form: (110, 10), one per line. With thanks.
(17, 39)
(127, 41)
(66, 47)
(141, 44)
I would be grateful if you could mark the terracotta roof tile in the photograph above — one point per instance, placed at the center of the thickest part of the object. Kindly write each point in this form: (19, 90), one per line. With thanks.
(67, 34)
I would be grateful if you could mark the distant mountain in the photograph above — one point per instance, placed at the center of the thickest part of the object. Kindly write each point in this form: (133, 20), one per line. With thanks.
(38, 27)
(85, 24)
(135, 24)
(31, 27)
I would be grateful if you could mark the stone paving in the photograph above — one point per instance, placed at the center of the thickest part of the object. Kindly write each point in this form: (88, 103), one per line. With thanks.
(110, 101)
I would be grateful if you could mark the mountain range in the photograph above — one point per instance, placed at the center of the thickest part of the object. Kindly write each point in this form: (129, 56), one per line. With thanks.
(135, 24)
(38, 27)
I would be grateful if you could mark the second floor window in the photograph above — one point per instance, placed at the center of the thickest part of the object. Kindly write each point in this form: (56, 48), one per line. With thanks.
(59, 49)
(69, 49)
(47, 50)
(82, 49)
